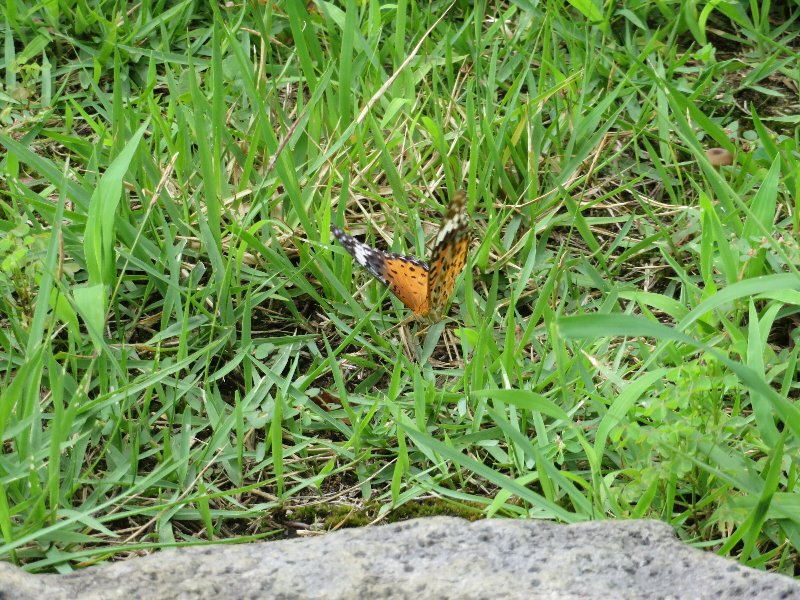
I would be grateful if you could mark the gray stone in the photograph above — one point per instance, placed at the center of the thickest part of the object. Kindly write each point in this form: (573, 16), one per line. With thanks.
(439, 557)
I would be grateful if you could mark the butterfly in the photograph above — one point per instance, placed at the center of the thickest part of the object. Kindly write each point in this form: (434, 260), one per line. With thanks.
(423, 288)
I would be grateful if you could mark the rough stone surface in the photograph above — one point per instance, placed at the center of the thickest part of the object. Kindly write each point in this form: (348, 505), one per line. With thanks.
(439, 557)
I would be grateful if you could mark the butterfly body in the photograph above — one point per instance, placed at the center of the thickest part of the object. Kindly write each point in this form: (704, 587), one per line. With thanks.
(424, 288)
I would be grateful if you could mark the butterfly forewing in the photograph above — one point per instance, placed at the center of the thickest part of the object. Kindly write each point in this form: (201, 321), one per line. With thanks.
(369, 258)
(406, 276)
(408, 280)
(449, 254)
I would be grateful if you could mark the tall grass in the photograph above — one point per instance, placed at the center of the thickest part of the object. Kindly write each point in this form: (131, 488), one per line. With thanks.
(187, 357)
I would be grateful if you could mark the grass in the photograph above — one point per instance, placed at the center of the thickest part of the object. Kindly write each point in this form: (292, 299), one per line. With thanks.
(188, 358)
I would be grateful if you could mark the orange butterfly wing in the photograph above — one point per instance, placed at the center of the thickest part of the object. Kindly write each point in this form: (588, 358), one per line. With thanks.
(449, 254)
(408, 280)
(405, 276)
